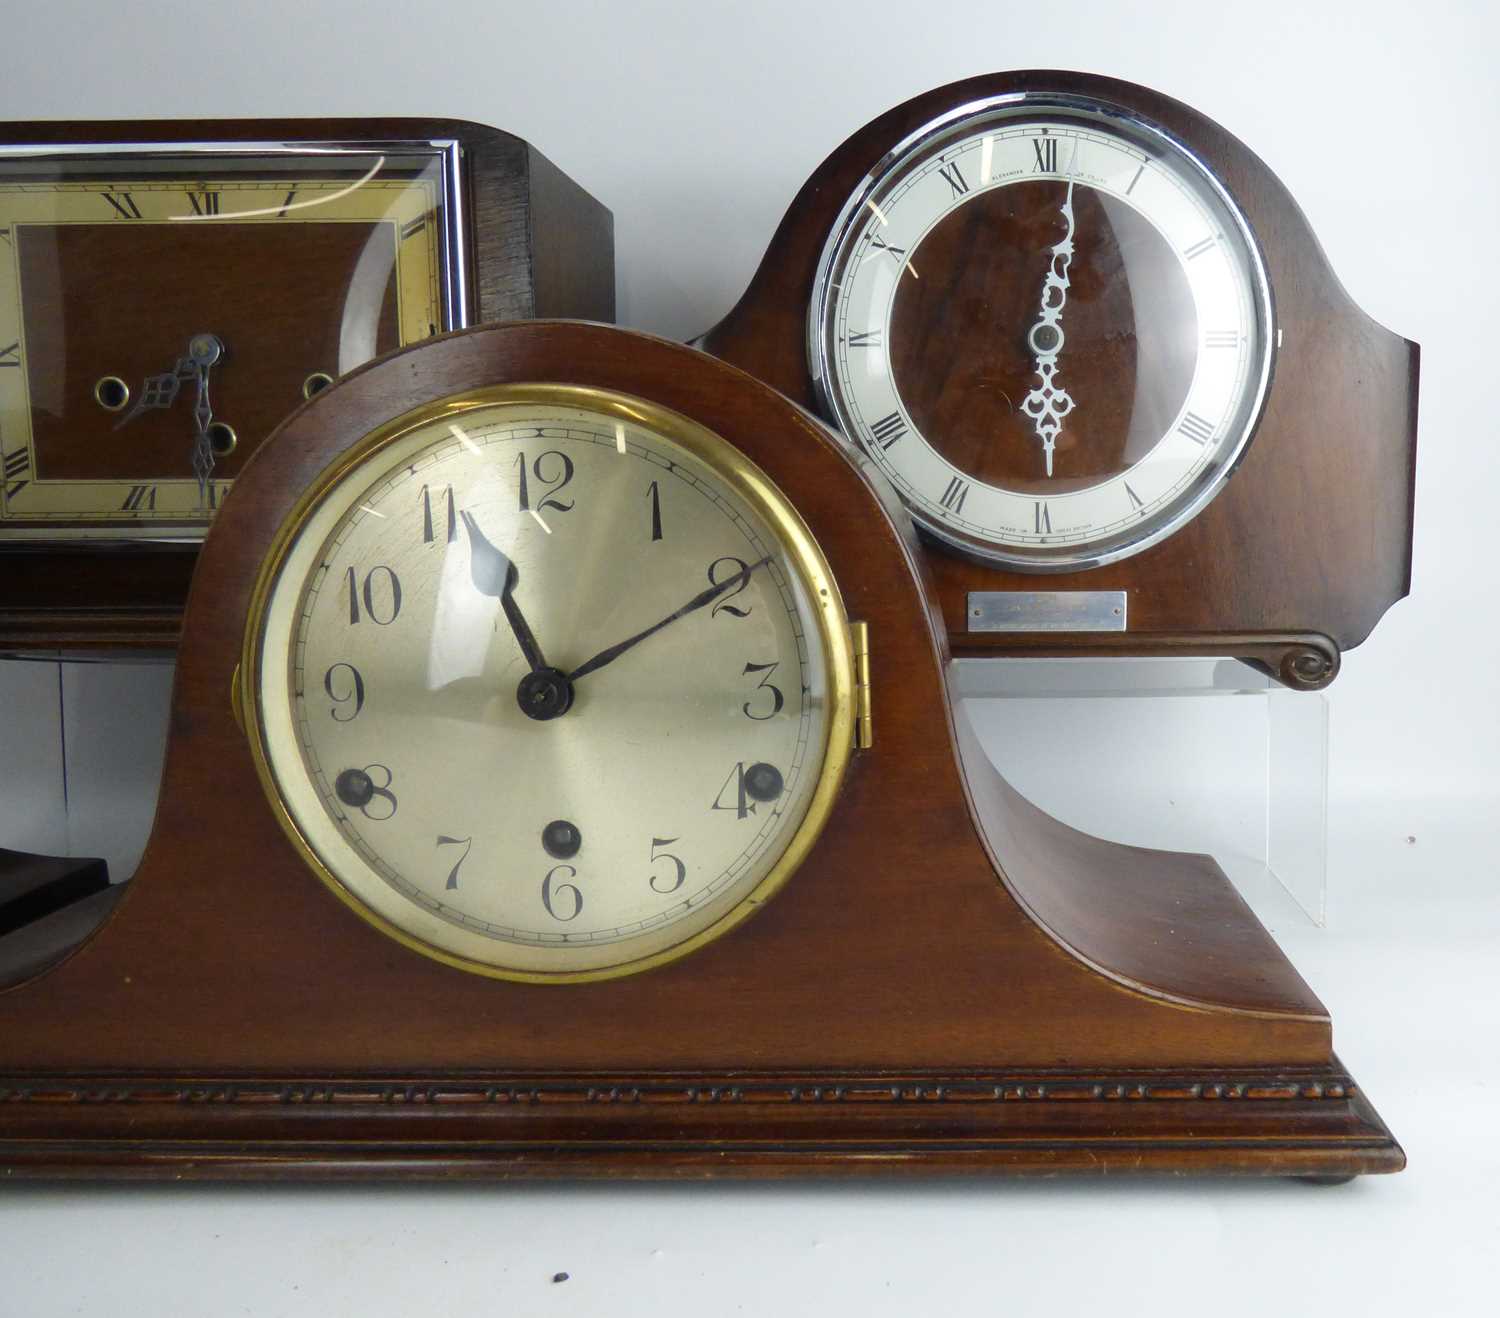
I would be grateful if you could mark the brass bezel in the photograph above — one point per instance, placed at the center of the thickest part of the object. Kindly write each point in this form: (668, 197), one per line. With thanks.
(741, 475)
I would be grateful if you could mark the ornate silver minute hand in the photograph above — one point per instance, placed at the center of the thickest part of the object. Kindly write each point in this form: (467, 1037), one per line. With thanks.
(1046, 404)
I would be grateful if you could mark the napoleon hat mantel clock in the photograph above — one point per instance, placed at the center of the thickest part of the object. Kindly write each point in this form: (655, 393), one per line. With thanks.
(170, 290)
(563, 780)
(1096, 347)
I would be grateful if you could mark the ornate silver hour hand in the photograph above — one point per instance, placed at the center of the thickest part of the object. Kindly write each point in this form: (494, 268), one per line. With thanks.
(160, 391)
(1046, 404)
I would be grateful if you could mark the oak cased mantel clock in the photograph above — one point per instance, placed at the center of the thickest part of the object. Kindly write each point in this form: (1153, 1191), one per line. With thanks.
(1095, 346)
(564, 779)
(170, 290)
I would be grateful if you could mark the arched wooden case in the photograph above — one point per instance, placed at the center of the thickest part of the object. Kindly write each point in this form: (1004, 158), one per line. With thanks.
(1307, 545)
(951, 982)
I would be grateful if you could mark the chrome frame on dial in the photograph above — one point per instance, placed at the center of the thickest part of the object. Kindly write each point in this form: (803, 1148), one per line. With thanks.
(962, 121)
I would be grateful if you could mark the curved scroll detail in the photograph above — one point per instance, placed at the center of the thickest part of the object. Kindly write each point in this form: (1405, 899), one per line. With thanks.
(1300, 661)
(1309, 665)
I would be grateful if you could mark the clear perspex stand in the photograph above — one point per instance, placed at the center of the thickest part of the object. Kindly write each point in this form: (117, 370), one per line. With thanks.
(1184, 754)
(1204, 755)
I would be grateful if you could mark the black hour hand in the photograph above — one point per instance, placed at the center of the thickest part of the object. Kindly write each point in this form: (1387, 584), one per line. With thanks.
(495, 575)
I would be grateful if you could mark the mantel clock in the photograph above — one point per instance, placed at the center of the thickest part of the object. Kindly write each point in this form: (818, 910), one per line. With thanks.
(564, 780)
(1094, 345)
(169, 291)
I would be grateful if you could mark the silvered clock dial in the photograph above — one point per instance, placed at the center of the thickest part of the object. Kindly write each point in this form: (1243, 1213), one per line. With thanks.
(1050, 326)
(549, 683)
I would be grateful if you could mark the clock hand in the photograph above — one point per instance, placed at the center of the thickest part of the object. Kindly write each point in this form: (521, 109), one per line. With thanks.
(160, 391)
(1047, 405)
(495, 575)
(203, 351)
(700, 600)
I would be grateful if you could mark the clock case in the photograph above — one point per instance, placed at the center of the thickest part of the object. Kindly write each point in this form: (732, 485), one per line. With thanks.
(1309, 542)
(952, 982)
(524, 241)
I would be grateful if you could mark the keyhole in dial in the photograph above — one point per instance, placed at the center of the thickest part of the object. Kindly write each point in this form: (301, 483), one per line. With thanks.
(561, 840)
(111, 393)
(316, 383)
(221, 438)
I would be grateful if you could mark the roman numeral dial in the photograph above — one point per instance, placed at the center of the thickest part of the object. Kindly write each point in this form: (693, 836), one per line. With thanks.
(1049, 326)
(113, 264)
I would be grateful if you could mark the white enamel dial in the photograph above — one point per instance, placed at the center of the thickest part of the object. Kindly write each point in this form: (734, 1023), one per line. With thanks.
(551, 683)
(1050, 327)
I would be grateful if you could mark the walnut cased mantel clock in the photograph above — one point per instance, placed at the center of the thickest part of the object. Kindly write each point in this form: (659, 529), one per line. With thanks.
(1096, 347)
(170, 290)
(563, 779)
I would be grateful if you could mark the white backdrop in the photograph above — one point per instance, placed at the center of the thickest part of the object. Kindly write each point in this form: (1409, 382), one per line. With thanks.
(696, 123)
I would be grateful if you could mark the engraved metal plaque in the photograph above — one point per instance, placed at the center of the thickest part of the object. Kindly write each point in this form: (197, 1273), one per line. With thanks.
(1046, 610)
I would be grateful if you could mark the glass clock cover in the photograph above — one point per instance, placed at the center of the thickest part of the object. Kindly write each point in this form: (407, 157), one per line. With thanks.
(163, 307)
(1049, 325)
(549, 683)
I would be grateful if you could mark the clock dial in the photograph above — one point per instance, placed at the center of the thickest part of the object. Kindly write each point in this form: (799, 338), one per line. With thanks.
(117, 270)
(550, 683)
(1050, 326)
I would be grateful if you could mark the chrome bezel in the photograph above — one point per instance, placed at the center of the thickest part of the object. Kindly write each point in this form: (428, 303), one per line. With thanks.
(446, 152)
(961, 121)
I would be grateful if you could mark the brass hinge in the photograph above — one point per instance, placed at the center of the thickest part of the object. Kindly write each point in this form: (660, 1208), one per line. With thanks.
(864, 731)
(236, 708)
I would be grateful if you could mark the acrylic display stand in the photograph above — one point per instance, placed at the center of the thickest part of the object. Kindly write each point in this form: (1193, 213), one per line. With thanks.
(1205, 755)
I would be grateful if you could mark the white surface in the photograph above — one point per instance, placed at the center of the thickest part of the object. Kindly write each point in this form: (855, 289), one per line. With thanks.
(696, 124)
(1238, 776)
(33, 805)
(115, 727)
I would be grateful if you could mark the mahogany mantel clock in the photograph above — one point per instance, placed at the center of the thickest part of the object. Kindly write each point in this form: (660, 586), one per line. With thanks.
(563, 780)
(1095, 346)
(169, 291)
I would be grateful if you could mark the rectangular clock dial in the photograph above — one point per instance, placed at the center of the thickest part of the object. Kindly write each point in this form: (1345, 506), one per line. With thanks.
(298, 264)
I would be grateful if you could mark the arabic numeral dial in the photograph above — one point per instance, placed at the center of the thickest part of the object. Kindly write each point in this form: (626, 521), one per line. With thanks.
(552, 694)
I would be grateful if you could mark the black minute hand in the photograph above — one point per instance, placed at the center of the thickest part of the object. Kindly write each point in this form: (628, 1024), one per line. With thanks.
(495, 575)
(702, 598)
